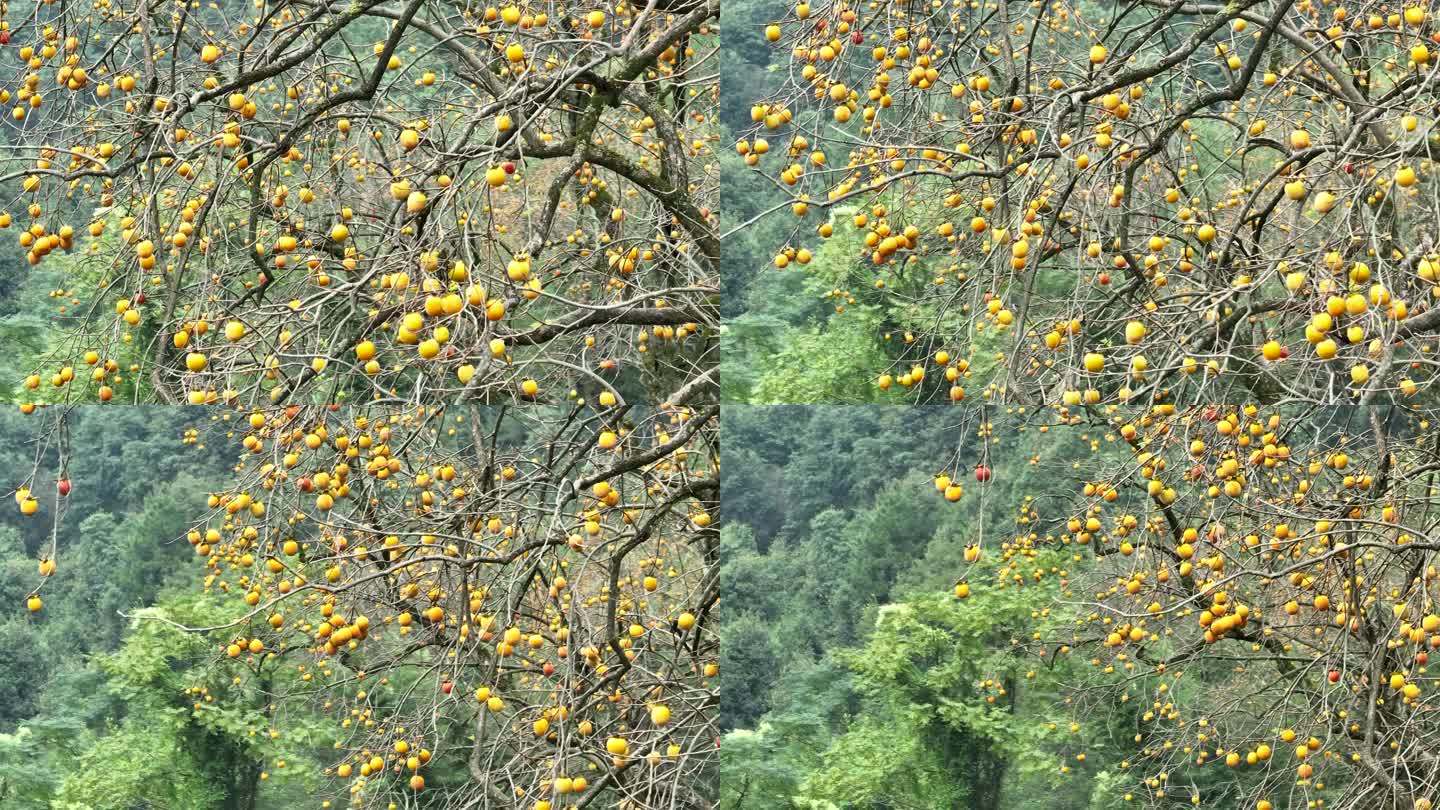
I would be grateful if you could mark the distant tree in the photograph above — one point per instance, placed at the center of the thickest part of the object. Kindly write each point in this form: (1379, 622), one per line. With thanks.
(750, 666)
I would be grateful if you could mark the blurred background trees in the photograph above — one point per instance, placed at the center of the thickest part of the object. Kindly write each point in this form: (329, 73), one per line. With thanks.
(851, 675)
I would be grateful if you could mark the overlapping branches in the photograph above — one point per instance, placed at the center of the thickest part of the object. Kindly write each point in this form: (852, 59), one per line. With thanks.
(501, 606)
(1256, 596)
(420, 202)
(1147, 201)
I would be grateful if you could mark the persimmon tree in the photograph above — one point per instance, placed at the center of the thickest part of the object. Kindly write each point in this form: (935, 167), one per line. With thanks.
(1120, 214)
(309, 201)
(499, 607)
(1094, 203)
(1257, 589)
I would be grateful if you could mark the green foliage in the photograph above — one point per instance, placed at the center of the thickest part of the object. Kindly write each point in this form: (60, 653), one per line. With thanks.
(755, 773)
(799, 339)
(747, 665)
(901, 769)
(139, 760)
(24, 778)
